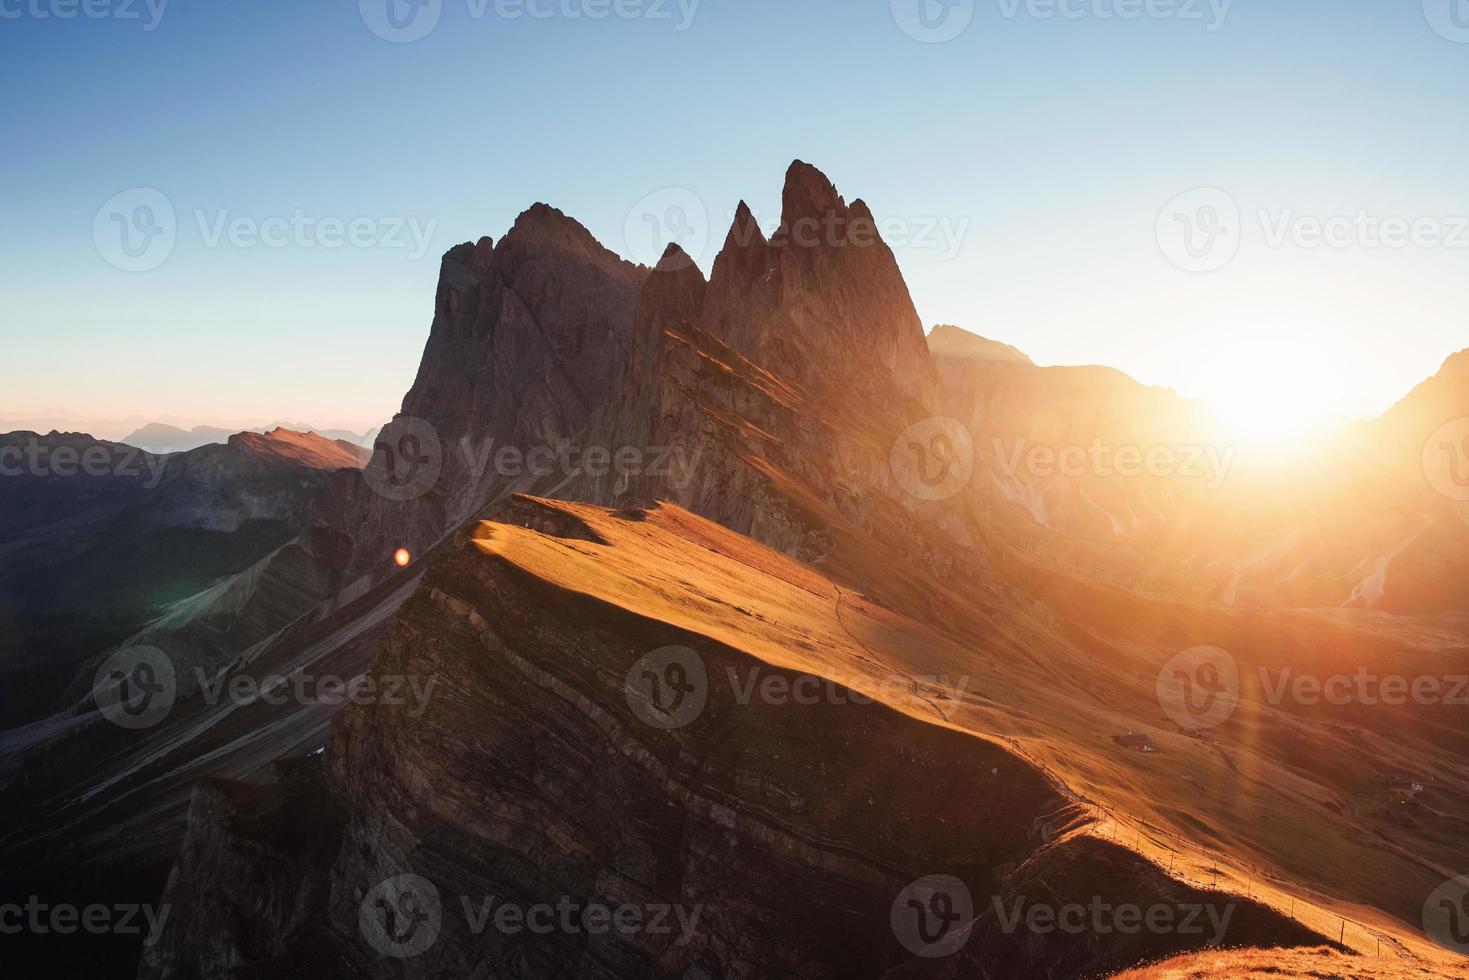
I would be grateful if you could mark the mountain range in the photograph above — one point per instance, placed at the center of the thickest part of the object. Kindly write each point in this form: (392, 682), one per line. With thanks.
(744, 599)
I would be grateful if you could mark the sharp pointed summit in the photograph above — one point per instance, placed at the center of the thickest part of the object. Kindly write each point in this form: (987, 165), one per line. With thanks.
(823, 301)
(808, 193)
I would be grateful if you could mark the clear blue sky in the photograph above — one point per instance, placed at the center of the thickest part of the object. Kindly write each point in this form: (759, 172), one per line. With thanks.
(1052, 143)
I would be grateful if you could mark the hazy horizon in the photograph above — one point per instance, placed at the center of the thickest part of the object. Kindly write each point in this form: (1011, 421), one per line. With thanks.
(186, 421)
(1045, 191)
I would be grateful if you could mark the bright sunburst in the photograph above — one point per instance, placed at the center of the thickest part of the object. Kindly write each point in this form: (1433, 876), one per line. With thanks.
(1272, 392)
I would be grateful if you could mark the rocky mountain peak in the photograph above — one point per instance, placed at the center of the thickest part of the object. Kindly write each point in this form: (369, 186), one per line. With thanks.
(673, 292)
(542, 228)
(745, 230)
(808, 193)
(822, 289)
(530, 338)
(300, 448)
(676, 281)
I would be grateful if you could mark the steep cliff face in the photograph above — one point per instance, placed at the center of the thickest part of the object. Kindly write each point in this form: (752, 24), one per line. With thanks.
(529, 338)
